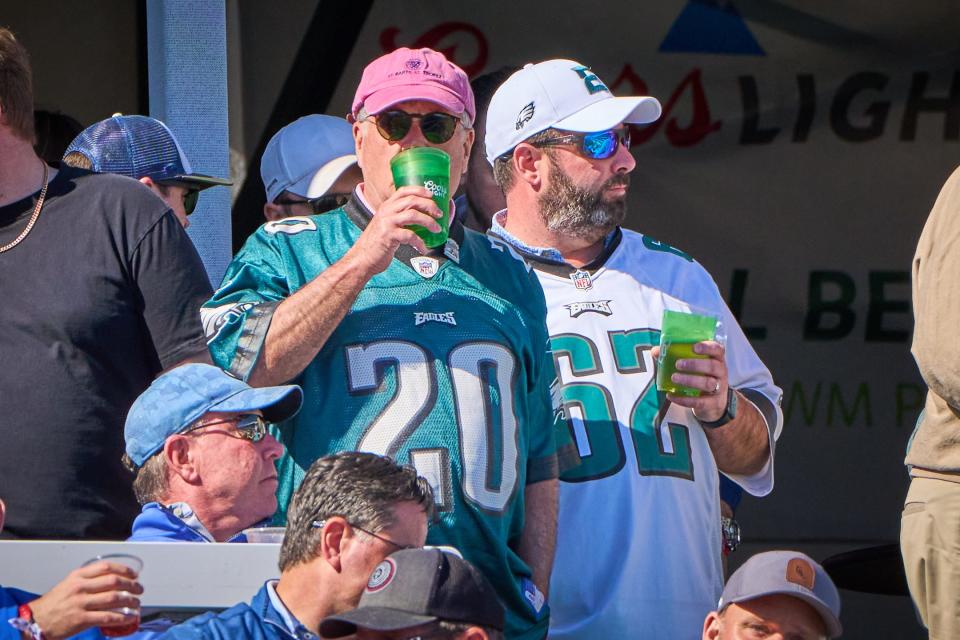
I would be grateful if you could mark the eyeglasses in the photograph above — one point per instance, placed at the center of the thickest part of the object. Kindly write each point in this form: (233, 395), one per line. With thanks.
(320, 204)
(597, 146)
(437, 127)
(249, 426)
(320, 524)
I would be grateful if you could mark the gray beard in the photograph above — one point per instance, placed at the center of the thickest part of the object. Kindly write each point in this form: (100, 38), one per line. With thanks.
(569, 210)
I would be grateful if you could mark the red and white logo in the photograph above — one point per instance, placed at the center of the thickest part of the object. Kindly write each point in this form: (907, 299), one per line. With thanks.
(381, 576)
(582, 280)
(425, 266)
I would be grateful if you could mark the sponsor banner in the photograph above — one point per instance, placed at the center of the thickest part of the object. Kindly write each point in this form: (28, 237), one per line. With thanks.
(799, 152)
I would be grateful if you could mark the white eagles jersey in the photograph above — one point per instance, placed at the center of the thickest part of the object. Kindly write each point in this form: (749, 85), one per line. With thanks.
(639, 540)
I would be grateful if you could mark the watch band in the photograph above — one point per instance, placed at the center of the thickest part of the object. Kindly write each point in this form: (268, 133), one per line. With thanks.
(25, 623)
(729, 412)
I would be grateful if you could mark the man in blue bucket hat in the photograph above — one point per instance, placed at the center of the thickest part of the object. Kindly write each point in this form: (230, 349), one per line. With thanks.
(197, 441)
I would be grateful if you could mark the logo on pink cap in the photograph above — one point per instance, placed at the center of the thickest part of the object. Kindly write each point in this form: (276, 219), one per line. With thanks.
(414, 74)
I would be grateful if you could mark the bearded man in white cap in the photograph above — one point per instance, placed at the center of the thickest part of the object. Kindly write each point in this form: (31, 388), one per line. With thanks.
(644, 500)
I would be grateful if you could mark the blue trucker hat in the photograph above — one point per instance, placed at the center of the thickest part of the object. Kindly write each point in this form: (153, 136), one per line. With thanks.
(307, 156)
(788, 573)
(139, 147)
(181, 396)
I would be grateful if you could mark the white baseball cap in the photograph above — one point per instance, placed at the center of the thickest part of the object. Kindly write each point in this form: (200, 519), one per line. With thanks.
(562, 94)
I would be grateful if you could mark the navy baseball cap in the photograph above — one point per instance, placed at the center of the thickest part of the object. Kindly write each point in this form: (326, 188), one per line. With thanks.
(417, 586)
(181, 396)
(307, 156)
(139, 147)
(788, 573)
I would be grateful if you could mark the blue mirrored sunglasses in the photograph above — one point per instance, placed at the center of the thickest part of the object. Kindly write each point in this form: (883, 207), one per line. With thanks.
(597, 146)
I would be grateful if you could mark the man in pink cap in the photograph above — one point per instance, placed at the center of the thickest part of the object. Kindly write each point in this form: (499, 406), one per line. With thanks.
(434, 357)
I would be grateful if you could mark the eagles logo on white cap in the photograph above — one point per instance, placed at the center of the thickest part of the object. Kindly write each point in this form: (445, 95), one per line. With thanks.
(562, 94)
(382, 575)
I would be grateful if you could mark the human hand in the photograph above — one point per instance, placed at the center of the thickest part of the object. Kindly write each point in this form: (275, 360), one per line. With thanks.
(708, 374)
(388, 228)
(84, 598)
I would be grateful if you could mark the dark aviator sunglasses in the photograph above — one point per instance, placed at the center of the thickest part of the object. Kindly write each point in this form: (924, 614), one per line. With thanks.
(394, 125)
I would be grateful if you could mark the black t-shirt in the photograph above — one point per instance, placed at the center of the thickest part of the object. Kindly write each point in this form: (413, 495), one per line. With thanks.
(100, 297)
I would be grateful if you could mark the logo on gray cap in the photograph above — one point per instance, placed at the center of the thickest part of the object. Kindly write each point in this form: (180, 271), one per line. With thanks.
(381, 576)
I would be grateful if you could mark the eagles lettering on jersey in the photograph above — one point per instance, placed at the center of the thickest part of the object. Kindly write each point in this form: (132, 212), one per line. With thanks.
(644, 499)
(438, 364)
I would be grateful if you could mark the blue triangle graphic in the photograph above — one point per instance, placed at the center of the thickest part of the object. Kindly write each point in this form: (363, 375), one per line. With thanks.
(710, 26)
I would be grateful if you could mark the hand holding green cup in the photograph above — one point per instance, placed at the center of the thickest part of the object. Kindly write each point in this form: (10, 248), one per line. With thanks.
(678, 333)
(426, 167)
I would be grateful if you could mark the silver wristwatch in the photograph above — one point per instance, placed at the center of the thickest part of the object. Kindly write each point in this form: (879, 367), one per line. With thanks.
(730, 529)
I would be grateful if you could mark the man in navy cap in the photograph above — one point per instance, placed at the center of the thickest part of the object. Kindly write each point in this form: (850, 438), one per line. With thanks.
(197, 440)
(777, 592)
(309, 167)
(144, 149)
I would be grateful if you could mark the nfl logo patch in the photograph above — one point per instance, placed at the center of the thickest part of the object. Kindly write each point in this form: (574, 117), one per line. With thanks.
(426, 267)
(582, 280)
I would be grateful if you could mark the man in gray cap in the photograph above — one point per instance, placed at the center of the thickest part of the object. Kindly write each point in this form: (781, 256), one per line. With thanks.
(777, 592)
(309, 167)
(197, 440)
(422, 592)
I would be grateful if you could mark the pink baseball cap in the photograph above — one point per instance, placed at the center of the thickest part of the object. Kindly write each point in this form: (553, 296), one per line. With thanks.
(414, 74)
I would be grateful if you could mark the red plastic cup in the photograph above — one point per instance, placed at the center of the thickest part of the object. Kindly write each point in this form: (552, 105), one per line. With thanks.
(126, 628)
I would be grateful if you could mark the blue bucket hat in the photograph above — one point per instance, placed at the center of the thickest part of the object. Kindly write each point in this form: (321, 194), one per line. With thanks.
(139, 147)
(181, 396)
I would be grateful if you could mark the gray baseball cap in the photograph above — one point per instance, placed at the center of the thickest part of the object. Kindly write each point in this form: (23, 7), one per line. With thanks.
(789, 573)
(417, 586)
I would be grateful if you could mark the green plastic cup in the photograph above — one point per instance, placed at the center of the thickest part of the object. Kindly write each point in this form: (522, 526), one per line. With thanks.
(678, 333)
(429, 168)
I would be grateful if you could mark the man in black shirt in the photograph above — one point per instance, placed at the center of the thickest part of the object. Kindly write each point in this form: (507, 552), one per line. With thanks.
(99, 292)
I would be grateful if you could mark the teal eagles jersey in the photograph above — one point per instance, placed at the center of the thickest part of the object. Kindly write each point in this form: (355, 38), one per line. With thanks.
(441, 362)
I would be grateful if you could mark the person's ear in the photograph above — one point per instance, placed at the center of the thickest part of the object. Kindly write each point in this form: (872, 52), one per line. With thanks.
(528, 164)
(332, 542)
(711, 626)
(3, 514)
(272, 211)
(150, 184)
(474, 633)
(358, 142)
(180, 459)
(468, 141)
